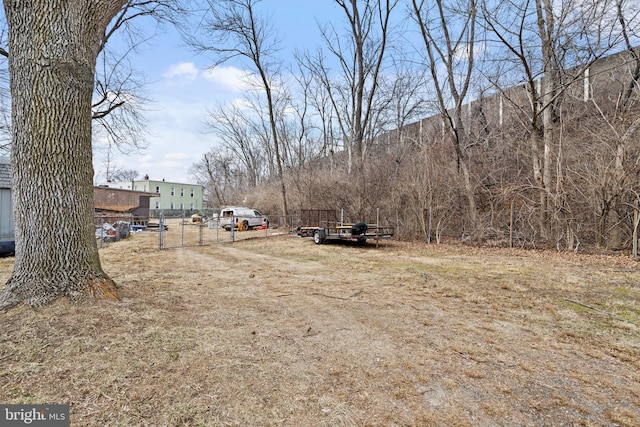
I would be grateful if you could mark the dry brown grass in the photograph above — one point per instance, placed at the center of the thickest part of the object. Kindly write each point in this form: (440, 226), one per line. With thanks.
(280, 331)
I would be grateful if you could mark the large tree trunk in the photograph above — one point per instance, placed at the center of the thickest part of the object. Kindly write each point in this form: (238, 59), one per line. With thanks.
(53, 46)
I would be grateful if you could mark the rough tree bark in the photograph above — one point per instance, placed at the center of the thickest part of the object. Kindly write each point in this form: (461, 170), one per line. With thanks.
(53, 45)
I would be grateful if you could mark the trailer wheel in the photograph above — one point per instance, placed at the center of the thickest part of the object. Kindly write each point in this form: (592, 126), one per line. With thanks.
(318, 237)
(245, 225)
(362, 241)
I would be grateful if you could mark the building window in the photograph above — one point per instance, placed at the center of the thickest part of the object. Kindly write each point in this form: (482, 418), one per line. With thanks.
(191, 206)
(192, 192)
(173, 191)
(182, 192)
(157, 205)
(157, 189)
(181, 206)
(171, 206)
(144, 188)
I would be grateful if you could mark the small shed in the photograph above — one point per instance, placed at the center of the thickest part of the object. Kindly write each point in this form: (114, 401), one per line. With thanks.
(119, 204)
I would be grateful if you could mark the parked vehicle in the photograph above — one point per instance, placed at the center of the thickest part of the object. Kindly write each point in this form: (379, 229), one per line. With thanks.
(240, 217)
(7, 247)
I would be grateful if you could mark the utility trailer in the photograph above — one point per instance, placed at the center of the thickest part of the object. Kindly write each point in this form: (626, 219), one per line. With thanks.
(326, 227)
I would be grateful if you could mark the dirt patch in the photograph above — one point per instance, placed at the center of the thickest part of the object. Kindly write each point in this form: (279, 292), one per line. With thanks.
(279, 331)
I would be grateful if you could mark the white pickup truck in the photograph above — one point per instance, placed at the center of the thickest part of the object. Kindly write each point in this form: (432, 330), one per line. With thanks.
(235, 215)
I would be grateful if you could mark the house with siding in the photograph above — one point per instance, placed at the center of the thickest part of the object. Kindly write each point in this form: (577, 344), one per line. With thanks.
(6, 210)
(168, 197)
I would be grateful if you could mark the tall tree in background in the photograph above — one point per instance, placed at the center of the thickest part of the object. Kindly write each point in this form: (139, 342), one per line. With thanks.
(360, 54)
(5, 98)
(353, 90)
(549, 49)
(550, 92)
(449, 36)
(216, 173)
(239, 137)
(53, 46)
(237, 31)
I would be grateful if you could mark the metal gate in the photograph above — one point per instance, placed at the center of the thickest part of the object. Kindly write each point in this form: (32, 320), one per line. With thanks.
(181, 231)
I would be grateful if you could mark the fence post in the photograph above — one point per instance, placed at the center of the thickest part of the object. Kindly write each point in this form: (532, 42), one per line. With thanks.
(511, 225)
(161, 231)
(101, 232)
(182, 229)
(429, 227)
(233, 226)
(635, 230)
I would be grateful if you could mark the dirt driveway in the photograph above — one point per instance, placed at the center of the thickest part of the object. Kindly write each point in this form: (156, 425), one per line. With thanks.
(279, 331)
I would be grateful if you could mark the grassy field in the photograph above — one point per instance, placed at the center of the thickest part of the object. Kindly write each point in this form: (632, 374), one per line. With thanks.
(279, 331)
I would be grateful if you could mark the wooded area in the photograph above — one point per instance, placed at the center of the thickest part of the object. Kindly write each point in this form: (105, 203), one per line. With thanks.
(481, 121)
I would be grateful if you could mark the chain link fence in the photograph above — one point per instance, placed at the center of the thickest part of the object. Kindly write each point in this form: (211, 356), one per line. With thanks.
(182, 231)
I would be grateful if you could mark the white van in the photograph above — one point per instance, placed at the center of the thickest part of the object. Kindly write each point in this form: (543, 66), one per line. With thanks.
(235, 215)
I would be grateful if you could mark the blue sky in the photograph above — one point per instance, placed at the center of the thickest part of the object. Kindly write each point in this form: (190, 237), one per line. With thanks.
(182, 89)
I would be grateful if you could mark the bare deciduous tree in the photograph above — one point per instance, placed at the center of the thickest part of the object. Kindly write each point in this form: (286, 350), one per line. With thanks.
(119, 90)
(543, 43)
(120, 97)
(360, 55)
(238, 135)
(449, 36)
(238, 32)
(216, 171)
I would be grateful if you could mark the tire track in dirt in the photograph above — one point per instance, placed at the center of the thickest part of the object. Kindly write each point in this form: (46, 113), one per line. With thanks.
(282, 331)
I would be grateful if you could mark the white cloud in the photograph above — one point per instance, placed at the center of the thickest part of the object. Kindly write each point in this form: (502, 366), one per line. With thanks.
(232, 78)
(175, 120)
(182, 69)
(462, 52)
(176, 156)
(241, 103)
(171, 165)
